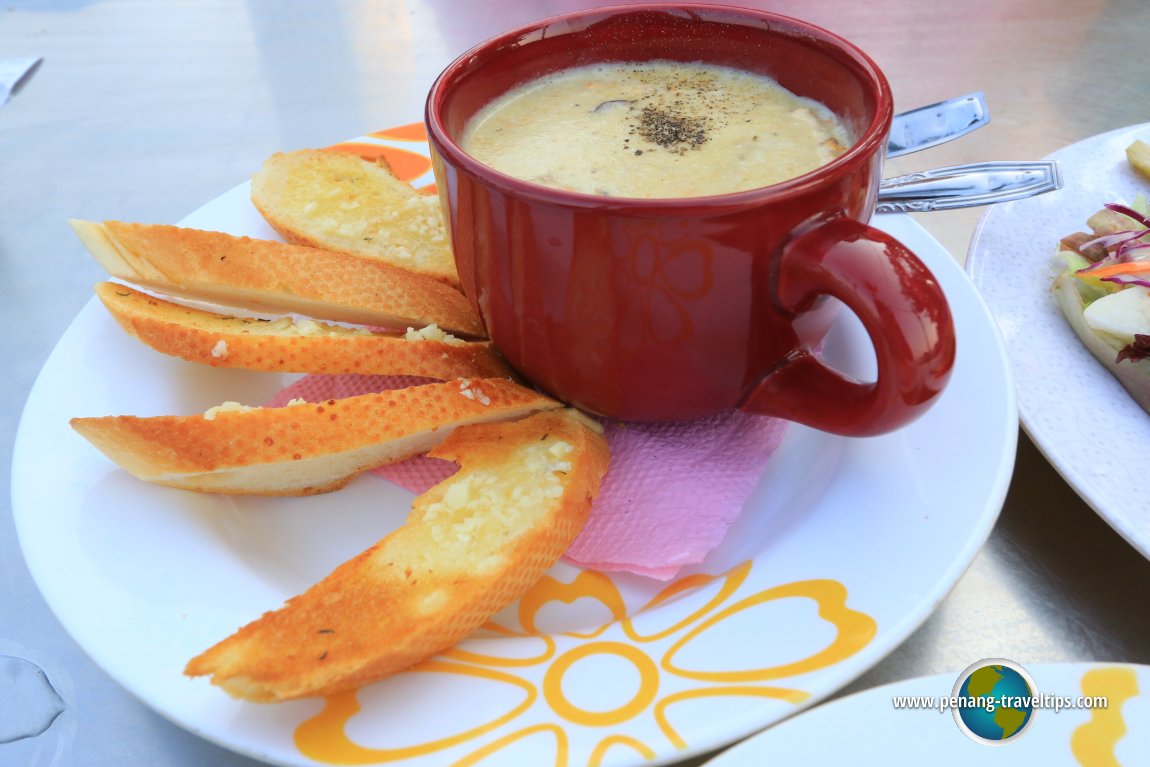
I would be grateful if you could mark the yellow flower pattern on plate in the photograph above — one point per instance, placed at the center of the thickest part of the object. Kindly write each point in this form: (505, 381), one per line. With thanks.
(631, 646)
(1093, 743)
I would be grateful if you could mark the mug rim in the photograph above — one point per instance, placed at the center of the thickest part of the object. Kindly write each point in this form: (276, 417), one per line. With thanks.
(859, 151)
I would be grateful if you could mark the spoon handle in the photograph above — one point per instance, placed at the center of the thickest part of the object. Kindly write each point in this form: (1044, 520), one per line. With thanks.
(963, 186)
(936, 124)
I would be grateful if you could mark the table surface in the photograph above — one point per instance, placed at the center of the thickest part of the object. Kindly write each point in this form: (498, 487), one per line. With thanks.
(142, 111)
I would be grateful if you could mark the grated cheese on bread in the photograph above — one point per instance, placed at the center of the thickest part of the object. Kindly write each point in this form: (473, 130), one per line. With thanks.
(301, 449)
(341, 201)
(274, 277)
(294, 345)
(472, 545)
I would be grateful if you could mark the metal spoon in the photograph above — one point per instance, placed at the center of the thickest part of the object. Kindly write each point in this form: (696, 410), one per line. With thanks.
(936, 124)
(957, 186)
(963, 186)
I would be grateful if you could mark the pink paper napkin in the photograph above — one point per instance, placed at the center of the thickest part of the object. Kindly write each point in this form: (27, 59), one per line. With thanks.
(670, 495)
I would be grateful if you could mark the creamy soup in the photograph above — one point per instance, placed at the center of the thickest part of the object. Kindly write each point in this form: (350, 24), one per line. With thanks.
(657, 129)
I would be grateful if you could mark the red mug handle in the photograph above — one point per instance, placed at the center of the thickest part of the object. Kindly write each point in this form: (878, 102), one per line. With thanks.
(903, 310)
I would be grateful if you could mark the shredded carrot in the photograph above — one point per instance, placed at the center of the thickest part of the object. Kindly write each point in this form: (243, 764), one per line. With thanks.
(1130, 267)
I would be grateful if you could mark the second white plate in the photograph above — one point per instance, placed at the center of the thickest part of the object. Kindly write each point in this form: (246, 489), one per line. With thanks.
(1076, 412)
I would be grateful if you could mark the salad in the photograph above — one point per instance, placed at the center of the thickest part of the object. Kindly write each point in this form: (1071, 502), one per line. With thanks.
(1103, 288)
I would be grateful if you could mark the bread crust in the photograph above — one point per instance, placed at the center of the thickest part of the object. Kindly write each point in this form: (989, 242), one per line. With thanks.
(413, 594)
(287, 346)
(306, 448)
(341, 201)
(275, 277)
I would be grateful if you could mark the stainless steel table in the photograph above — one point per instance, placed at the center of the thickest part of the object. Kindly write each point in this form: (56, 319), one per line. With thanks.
(144, 110)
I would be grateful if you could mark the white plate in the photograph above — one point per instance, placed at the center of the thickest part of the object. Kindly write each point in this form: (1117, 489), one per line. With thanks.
(1076, 412)
(146, 577)
(865, 728)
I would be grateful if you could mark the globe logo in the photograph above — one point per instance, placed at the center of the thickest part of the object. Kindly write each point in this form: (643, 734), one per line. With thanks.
(995, 701)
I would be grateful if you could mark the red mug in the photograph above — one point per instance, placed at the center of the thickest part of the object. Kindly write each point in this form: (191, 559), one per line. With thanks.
(671, 309)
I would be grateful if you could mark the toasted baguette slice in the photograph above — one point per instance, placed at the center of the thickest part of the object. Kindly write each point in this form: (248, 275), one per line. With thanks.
(268, 276)
(472, 544)
(301, 449)
(295, 346)
(340, 201)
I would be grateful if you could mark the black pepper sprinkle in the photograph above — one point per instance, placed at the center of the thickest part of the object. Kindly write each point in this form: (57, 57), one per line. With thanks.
(672, 130)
